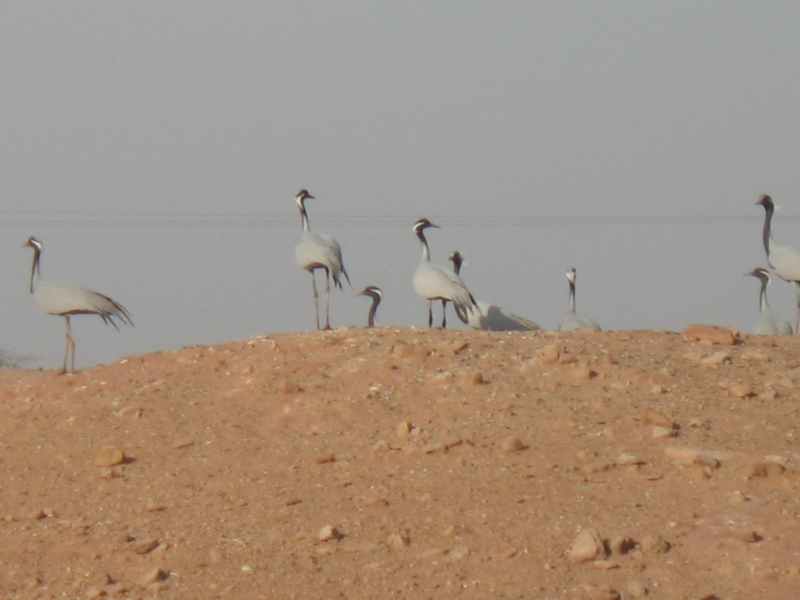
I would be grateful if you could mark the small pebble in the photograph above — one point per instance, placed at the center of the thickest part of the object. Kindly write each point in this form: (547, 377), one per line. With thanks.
(109, 457)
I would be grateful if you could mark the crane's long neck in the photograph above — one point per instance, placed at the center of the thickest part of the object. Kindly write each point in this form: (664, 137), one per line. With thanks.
(426, 253)
(304, 215)
(373, 309)
(35, 267)
(763, 304)
(769, 209)
(571, 296)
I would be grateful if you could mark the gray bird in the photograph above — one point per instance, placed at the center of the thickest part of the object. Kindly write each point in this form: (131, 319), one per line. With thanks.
(769, 322)
(784, 259)
(67, 299)
(376, 294)
(433, 282)
(572, 321)
(316, 251)
(489, 316)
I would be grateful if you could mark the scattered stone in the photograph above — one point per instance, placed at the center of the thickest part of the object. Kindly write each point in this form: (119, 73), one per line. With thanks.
(626, 460)
(109, 457)
(470, 379)
(403, 430)
(35, 515)
(397, 541)
(621, 545)
(605, 565)
(458, 553)
(582, 373)
(145, 546)
(654, 544)
(152, 576)
(247, 569)
(453, 442)
(597, 467)
(764, 469)
(512, 444)
(716, 359)
(745, 535)
(375, 501)
(329, 532)
(689, 456)
(741, 390)
(325, 457)
(656, 417)
(696, 472)
(432, 553)
(182, 444)
(710, 333)
(432, 447)
(588, 546)
(662, 432)
(549, 354)
(287, 386)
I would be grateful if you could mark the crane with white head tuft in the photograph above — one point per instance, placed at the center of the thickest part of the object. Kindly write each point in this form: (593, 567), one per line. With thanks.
(784, 259)
(572, 321)
(433, 282)
(490, 316)
(769, 322)
(316, 251)
(376, 294)
(68, 299)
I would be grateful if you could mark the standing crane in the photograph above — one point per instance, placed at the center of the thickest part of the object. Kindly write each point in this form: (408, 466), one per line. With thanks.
(433, 282)
(489, 316)
(376, 294)
(67, 299)
(769, 322)
(316, 251)
(784, 259)
(572, 321)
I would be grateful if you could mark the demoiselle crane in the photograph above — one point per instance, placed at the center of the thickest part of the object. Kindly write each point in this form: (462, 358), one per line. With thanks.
(67, 299)
(769, 322)
(489, 316)
(433, 282)
(376, 294)
(316, 251)
(572, 321)
(784, 259)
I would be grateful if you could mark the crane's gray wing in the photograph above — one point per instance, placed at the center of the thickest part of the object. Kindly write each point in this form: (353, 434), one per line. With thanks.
(69, 299)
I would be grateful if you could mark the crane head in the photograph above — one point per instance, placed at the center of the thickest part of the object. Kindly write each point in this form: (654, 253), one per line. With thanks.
(571, 274)
(766, 202)
(373, 291)
(759, 272)
(33, 243)
(423, 223)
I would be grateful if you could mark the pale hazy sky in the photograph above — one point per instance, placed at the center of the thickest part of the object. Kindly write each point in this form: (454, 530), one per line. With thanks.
(155, 148)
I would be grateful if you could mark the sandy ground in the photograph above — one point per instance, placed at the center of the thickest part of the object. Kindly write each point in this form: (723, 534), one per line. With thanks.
(411, 464)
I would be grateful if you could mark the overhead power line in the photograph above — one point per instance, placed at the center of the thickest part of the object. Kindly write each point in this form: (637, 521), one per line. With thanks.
(230, 220)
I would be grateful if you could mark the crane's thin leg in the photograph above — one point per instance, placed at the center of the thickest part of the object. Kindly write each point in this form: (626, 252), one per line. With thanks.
(444, 314)
(430, 313)
(70, 349)
(327, 299)
(316, 295)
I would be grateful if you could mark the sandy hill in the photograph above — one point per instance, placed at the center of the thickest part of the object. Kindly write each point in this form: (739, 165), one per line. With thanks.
(408, 463)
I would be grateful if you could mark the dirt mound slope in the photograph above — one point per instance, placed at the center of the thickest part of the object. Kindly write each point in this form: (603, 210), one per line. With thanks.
(376, 463)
